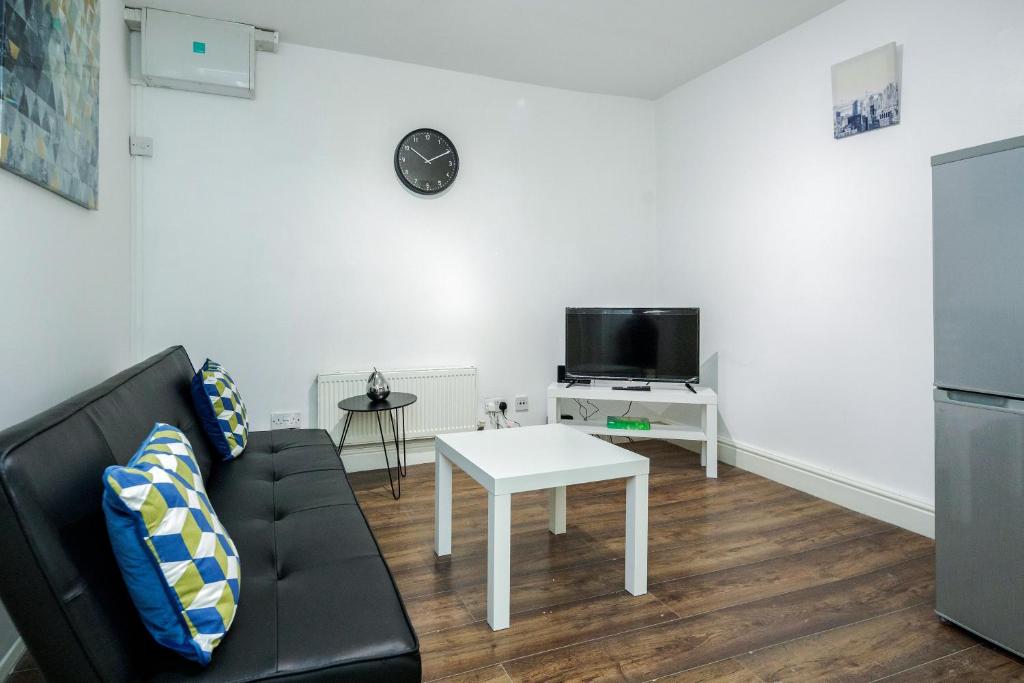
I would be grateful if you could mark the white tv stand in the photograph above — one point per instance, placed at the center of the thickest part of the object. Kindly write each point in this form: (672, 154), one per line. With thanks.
(706, 433)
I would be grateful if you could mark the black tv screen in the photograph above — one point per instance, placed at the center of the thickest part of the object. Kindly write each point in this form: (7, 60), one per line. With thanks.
(651, 344)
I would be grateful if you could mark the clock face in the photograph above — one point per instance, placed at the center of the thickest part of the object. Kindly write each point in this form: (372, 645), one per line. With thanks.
(426, 161)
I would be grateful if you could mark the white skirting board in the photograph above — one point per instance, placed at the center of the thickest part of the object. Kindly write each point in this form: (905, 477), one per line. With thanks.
(888, 506)
(11, 659)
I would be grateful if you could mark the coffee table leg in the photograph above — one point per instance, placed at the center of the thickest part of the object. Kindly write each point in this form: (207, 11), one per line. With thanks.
(556, 510)
(499, 550)
(442, 504)
(636, 534)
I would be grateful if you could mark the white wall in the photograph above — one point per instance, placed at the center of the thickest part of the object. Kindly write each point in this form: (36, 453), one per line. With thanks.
(64, 270)
(811, 257)
(278, 240)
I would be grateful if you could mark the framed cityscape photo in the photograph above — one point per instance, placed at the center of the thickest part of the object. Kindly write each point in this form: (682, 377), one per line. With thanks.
(866, 92)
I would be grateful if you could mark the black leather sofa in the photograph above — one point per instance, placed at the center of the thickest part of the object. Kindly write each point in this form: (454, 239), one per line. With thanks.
(318, 602)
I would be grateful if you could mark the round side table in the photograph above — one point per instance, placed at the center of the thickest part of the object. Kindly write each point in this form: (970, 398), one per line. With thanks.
(394, 405)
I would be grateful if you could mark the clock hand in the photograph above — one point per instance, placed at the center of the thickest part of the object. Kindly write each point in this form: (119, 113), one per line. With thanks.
(438, 156)
(420, 155)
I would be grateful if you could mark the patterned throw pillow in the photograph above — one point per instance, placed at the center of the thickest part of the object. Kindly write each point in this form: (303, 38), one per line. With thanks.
(179, 563)
(169, 448)
(220, 409)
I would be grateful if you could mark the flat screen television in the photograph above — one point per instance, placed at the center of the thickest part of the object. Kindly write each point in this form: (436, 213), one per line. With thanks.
(647, 344)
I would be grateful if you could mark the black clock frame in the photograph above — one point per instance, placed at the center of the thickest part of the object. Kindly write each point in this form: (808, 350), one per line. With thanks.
(398, 169)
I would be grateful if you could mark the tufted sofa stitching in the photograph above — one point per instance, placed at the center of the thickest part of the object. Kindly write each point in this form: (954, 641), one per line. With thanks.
(309, 471)
(283, 449)
(310, 509)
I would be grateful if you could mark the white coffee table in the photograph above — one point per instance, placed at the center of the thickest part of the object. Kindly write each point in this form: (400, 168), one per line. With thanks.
(507, 461)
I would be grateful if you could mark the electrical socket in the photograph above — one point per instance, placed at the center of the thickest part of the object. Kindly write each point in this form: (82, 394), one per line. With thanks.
(491, 405)
(286, 420)
(522, 404)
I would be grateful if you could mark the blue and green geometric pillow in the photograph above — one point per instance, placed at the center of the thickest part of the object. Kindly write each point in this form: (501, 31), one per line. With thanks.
(169, 448)
(220, 409)
(179, 563)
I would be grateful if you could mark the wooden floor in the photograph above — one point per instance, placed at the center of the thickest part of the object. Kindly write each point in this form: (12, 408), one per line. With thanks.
(749, 581)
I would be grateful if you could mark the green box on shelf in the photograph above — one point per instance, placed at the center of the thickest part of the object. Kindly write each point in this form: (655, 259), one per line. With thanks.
(634, 423)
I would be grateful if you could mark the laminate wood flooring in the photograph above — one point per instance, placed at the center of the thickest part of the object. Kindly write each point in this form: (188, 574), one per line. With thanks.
(748, 581)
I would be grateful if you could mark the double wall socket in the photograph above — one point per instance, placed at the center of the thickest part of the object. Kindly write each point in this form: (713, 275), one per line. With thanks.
(286, 420)
(493, 405)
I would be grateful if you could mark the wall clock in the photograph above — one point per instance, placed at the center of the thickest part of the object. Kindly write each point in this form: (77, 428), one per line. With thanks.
(426, 161)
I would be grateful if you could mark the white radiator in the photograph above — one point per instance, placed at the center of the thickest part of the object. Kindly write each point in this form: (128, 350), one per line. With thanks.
(446, 402)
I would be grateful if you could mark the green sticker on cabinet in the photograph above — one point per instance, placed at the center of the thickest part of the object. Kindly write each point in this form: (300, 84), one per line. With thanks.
(198, 47)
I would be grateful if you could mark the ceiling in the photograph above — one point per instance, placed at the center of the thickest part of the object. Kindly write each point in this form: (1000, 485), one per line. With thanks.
(638, 48)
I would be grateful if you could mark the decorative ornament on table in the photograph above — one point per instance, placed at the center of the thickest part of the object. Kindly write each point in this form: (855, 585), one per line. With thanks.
(377, 388)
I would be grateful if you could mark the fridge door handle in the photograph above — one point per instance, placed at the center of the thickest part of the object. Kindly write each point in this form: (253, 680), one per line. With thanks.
(985, 401)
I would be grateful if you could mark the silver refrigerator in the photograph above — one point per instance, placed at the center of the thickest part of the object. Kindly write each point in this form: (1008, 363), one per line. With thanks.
(978, 202)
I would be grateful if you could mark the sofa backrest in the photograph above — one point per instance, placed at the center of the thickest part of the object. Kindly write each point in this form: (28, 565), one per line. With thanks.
(58, 576)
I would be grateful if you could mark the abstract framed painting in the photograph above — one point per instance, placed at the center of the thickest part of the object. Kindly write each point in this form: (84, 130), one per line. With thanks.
(49, 94)
(866, 92)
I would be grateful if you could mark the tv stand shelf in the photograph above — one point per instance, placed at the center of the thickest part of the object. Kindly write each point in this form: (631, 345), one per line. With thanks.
(706, 432)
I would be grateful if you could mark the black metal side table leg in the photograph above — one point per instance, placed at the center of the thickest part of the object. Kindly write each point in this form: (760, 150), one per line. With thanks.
(387, 463)
(405, 448)
(344, 432)
(403, 469)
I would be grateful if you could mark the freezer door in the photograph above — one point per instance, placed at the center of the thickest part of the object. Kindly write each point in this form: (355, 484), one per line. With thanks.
(979, 514)
(979, 273)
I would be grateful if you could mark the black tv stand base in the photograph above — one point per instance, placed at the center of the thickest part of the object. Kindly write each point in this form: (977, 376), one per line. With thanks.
(690, 388)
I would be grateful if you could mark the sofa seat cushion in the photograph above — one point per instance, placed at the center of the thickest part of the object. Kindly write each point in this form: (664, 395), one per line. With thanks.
(319, 600)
